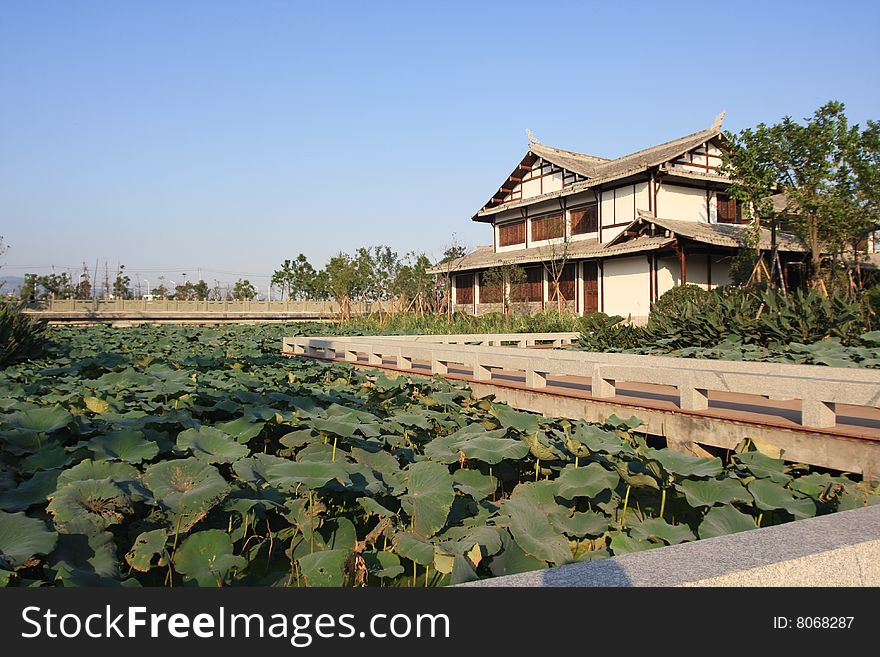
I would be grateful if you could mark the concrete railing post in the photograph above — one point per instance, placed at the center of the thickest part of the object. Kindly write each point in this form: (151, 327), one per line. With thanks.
(691, 398)
(536, 379)
(439, 366)
(601, 386)
(818, 414)
(374, 358)
(481, 373)
(351, 355)
(403, 362)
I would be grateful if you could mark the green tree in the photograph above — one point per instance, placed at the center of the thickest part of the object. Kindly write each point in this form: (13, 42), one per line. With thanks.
(503, 279)
(453, 254)
(243, 290)
(122, 284)
(413, 284)
(342, 280)
(201, 290)
(827, 170)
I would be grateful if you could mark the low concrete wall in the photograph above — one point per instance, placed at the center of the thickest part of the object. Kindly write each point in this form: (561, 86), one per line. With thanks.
(841, 549)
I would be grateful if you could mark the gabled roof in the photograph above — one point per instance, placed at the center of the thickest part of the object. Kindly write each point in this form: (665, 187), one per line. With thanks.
(726, 235)
(596, 170)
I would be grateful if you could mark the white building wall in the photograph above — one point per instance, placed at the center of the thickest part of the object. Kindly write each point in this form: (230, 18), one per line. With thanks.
(668, 274)
(626, 286)
(682, 203)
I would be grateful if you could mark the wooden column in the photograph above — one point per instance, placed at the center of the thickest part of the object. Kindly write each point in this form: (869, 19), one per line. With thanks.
(682, 260)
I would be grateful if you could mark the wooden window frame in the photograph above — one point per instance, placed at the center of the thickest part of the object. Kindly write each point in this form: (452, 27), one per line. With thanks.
(502, 228)
(594, 221)
(543, 222)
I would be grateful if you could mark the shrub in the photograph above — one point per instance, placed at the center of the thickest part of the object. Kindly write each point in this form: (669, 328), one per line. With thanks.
(21, 336)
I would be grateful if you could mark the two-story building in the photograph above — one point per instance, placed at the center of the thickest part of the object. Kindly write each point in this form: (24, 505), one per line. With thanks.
(626, 230)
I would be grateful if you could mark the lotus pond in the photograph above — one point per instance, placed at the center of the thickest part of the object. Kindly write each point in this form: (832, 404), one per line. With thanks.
(191, 456)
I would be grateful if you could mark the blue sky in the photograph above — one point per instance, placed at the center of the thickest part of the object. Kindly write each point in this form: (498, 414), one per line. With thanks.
(227, 136)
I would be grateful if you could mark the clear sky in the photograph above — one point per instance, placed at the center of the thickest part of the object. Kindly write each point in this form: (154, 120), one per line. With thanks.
(227, 136)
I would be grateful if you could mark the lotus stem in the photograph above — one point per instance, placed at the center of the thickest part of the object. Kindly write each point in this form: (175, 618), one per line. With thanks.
(414, 575)
(625, 504)
(760, 518)
(334, 449)
(427, 570)
(311, 522)
(662, 502)
(537, 468)
(577, 461)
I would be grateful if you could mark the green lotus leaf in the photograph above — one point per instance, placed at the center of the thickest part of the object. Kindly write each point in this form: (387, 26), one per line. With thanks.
(579, 524)
(7, 577)
(206, 557)
(587, 481)
(87, 470)
(188, 488)
(414, 547)
(652, 528)
(371, 506)
(636, 474)
(532, 531)
(722, 520)
(20, 442)
(540, 446)
(33, 491)
(622, 543)
(429, 495)
(22, 538)
(146, 547)
(39, 420)
(325, 568)
(311, 474)
(769, 496)
(462, 571)
(524, 422)
(709, 492)
(85, 556)
(211, 445)
(411, 420)
(444, 449)
(632, 422)
(54, 456)
(299, 438)
(384, 565)
(763, 466)
(597, 439)
(512, 560)
(339, 533)
(100, 501)
(128, 445)
(492, 449)
(474, 483)
(253, 469)
(381, 461)
(461, 540)
(243, 429)
(686, 465)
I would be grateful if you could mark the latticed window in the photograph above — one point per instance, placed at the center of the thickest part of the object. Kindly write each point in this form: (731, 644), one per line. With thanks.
(729, 211)
(512, 233)
(531, 288)
(464, 288)
(585, 220)
(489, 292)
(548, 227)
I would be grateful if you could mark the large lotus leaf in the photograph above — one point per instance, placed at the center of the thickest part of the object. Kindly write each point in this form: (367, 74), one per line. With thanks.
(128, 445)
(322, 452)
(597, 439)
(146, 547)
(96, 405)
(85, 557)
(632, 422)
(492, 449)
(33, 491)
(512, 560)
(763, 466)
(100, 501)
(211, 445)
(541, 493)
(685, 465)
(339, 534)
(86, 470)
(411, 420)
(380, 461)
(384, 565)
(815, 485)
(20, 442)
(541, 447)
(325, 568)
(311, 474)
(336, 427)
(444, 449)
(636, 474)
(429, 495)
(461, 540)
(371, 506)
(658, 528)
(414, 547)
(298, 438)
(709, 492)
(21, 538)
(579, 524)
(622, 543)
(243, 429)
(49, 458)
(188, 488)
(474, 483)
(462, 571)
(769, 496)
(524, 422)
(587, 481)
(39, 420)
(206, 557)
(253, 469)
(722, 520)
(533, 532)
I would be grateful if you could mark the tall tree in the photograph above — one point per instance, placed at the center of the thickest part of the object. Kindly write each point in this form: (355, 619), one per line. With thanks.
(827, 170)
(453, 254)
(243, 290)
(342, 279)
(122, 284)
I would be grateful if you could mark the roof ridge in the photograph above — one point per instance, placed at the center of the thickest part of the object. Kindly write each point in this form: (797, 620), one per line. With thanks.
(568, 152)
(713, 130)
